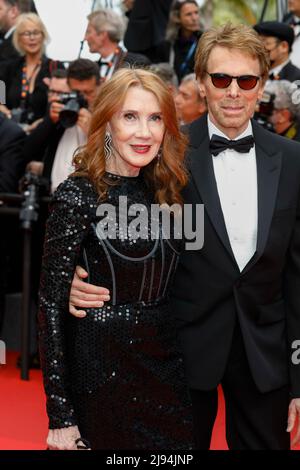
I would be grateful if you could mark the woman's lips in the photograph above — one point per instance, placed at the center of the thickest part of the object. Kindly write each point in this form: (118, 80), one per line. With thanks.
(141, 148)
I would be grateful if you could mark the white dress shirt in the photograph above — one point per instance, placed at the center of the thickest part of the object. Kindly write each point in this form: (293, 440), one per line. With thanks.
(72, 138)
(295, 54)
(9, 32)
(236, 178)
(276, 70)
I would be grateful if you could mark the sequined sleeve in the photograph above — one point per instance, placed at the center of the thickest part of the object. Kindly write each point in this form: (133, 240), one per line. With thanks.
(66, 228)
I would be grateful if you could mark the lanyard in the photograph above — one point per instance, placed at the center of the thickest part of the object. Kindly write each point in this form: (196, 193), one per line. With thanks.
(26, 82)
(188, 56)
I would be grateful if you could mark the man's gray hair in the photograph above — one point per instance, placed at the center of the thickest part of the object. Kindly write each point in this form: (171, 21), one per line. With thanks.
(191, 77)
(109, 21)
(285, 92)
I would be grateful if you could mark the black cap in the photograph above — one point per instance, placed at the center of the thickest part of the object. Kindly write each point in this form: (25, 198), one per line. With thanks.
(278, 30)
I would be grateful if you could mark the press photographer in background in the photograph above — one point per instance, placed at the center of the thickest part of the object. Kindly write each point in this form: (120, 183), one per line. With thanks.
(53, 143)
(285, 116)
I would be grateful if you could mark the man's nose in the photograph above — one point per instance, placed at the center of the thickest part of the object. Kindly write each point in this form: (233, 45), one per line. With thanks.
(233, 89)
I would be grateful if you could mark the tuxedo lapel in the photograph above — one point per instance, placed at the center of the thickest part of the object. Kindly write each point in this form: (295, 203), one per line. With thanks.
(202, 171)
(268, 161)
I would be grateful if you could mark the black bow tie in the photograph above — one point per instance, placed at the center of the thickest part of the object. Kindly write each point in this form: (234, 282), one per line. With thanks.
(218, 144)
(103, 62)
(294, 22)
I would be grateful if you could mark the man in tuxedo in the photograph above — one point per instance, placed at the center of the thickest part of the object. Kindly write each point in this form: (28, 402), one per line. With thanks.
(104, 33)
(236, 302)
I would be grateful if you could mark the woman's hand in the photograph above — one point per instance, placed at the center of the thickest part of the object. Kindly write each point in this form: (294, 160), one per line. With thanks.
(63, 439)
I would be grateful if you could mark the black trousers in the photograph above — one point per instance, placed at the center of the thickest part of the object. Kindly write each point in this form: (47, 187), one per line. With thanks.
(254, 420)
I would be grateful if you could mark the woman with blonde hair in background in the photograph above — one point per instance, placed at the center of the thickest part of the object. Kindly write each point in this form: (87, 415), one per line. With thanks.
(26, 92)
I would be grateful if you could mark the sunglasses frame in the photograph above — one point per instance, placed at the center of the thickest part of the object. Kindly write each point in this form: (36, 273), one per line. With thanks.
(225, 75)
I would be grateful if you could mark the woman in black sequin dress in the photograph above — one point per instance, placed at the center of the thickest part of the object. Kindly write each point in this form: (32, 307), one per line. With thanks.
(116, 377)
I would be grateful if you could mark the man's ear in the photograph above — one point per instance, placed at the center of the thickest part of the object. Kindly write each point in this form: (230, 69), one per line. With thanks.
(14, 12)
(260, 91)
(201, 89)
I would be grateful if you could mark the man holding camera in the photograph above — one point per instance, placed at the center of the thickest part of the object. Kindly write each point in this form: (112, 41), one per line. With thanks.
(65, 128)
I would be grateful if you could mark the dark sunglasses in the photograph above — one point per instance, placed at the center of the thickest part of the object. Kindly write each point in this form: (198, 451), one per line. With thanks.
(222, 80)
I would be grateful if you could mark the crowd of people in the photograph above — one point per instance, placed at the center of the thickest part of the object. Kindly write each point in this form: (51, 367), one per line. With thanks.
(130, 353)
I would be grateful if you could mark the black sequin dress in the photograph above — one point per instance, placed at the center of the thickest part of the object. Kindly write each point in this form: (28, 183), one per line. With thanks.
(117, 373)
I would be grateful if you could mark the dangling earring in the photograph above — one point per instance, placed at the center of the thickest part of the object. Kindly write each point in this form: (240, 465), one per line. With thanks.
(107, 146)
(158, 157)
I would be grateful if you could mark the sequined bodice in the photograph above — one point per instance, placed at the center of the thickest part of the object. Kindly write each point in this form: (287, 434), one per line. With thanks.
(134, 270)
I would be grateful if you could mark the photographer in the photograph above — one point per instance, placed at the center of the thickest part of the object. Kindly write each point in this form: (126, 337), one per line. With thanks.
(55, 140)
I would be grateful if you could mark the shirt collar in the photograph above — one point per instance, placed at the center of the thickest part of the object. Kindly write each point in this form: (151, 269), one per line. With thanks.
(213, 129)
(276, 70)
(107, 59)
(9, 32)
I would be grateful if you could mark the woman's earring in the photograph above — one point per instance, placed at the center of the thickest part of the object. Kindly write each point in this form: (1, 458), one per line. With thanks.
(158, 157)
(107, 146)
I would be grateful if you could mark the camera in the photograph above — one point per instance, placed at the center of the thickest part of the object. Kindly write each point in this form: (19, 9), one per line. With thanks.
(72, 102)
(265, 110)
(33, 187)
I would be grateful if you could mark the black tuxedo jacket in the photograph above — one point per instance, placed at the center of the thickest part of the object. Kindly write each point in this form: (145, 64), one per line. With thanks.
(210, 293)
(289, 72)
(147, 24)
(7, 50)
(42, 143)
(12, 165)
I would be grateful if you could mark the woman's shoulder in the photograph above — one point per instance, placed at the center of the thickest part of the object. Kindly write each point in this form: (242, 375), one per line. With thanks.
(77, 191)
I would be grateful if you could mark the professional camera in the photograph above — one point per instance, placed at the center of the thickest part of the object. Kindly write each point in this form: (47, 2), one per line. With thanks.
(32, 187)
(265, 110)
(72, 102)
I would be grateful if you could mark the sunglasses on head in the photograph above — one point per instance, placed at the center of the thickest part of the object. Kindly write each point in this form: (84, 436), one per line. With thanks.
(222, 80)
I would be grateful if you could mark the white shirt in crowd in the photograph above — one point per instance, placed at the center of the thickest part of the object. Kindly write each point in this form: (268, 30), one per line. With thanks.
(236, 179)
(72, 138)
(295, 54)
(116, 5)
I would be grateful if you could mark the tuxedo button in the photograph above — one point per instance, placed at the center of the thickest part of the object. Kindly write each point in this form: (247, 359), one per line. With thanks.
(238, 284)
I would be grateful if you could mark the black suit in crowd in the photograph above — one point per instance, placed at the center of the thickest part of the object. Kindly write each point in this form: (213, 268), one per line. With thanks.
(42, 143)
(146, 28)
(7, 50)
(237, 328)
(289, 72)
(11, 168)
(12, 139)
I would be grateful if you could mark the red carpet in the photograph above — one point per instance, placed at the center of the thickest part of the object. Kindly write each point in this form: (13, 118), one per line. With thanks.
(23, 417)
